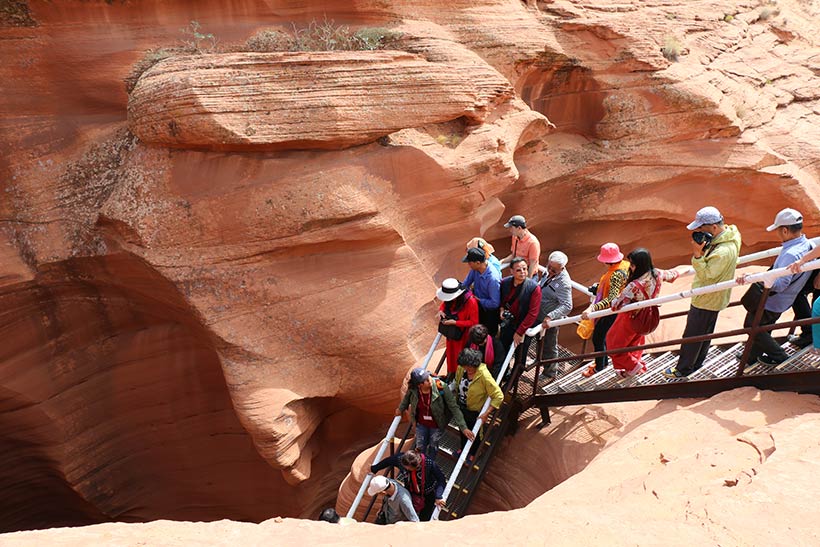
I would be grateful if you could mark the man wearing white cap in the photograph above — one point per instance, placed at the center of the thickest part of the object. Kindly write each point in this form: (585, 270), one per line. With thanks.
(524, 244)
(715, 248)
(788, 226)
(398, 505)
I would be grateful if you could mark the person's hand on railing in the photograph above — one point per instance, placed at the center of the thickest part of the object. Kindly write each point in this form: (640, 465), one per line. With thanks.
(401, 413)
(545, 324)
(518, 338)
(440, 503)
(468, 433)
(741, 279)
(585, 314)
(484, 416)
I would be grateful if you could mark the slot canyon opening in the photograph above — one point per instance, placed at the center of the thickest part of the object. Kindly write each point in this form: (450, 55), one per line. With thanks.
(114, 407)
(567, 95)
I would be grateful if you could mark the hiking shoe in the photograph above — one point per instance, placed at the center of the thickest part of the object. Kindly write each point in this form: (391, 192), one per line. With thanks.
(589, 371)
(673, 372)
(799, 340)
(769, 360)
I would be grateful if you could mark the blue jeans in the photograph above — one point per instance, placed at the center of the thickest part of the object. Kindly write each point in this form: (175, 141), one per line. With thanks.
(427, 439)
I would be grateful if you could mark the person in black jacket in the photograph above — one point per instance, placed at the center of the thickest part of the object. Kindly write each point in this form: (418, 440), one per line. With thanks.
(421, 476)
(521, 300)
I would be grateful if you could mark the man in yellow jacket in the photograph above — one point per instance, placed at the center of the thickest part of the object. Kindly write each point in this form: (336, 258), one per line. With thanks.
(715, 248)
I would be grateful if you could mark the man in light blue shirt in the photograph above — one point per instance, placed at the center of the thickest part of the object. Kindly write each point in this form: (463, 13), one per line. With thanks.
(788, 225)
(486, 286)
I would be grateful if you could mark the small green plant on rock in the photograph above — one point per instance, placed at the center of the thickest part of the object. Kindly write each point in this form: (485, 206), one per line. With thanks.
(196, 40)
(728, 18)
(268, 40)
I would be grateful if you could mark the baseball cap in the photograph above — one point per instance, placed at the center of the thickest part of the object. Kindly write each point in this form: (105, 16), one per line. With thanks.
(786, 217)
(418, 375)
(474, 255)
(517, 221)
(377, 485)
(707, 215)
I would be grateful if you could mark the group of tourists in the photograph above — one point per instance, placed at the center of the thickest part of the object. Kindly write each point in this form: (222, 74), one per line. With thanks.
(484, 315)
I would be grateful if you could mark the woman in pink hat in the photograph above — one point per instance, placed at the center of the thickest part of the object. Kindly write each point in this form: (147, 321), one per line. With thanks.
(608, 288)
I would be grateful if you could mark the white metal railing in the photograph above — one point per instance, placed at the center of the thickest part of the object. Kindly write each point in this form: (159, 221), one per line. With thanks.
(754, 257)
(388, 438)
(767, 277)
(575, 285)
(476, 428)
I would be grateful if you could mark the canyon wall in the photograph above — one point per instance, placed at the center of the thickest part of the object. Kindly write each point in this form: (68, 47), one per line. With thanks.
(213, 288)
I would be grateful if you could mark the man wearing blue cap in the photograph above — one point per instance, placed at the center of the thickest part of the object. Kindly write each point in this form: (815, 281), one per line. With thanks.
(715, 248)
(431, 403)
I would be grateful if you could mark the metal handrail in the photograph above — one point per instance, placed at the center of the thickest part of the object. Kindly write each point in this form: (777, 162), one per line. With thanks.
(754, 257)
(391, 432)
(766, 277)
(476, 428)
(575, 285)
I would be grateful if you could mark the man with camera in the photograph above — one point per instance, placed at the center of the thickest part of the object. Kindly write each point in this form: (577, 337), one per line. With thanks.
(788, 226)
(715, 248)
(520, 304)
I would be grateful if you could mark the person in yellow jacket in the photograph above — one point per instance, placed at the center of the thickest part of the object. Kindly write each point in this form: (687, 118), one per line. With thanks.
(715, 248)
(473, 384)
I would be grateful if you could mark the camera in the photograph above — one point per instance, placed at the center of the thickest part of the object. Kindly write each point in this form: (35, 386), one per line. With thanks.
(506, 318)
(700, 237)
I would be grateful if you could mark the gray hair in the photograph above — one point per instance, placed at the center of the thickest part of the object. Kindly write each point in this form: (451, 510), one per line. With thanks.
(559, 258)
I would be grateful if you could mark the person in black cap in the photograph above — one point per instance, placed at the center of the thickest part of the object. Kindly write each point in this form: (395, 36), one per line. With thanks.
(430, 402)
(524, 244)
(485, 282)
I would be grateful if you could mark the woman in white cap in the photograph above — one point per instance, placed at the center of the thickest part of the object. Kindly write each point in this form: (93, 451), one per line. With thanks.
(398, 504)
(457, 313)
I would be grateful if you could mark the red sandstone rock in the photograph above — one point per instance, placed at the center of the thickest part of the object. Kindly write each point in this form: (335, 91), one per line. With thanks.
(269, 101)
(267, 304)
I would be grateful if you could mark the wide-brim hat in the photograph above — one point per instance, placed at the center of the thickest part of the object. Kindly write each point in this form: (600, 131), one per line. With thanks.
(449, 290)
(610, 253)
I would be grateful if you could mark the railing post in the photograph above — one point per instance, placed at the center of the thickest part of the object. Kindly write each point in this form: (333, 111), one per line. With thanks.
(747, 349)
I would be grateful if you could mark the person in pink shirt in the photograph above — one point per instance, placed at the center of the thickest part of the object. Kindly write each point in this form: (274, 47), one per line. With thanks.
(524, 244)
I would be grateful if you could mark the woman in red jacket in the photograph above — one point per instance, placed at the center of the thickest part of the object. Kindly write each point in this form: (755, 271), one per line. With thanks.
(459, 310)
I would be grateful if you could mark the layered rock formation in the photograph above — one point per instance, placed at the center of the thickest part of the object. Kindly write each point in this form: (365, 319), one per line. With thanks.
(740, 468)
(197, 265)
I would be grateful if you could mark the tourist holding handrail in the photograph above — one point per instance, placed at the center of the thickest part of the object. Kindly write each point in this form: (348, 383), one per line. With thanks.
(431, 403)
(473, 384)
(815, 309)
(715, 248)
(606, 290)
(520, 304)
(643, 283)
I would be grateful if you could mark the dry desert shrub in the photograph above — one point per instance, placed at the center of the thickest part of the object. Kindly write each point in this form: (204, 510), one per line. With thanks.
(671, 48)
(323, 35)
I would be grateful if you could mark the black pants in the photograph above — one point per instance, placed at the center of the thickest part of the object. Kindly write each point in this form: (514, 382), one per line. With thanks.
(802, 310)
(490, 319)
(764, 342)
(470, 418)
(692, 355)
(602, 325)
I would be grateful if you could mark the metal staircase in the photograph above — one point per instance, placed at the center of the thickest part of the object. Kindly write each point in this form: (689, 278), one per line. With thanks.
(525, 388)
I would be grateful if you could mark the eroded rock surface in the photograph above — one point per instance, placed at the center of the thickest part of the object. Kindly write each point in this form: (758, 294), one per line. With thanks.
(270, 101)
(275, 298)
